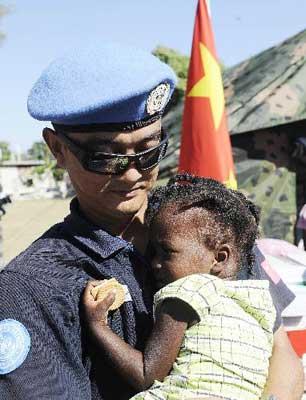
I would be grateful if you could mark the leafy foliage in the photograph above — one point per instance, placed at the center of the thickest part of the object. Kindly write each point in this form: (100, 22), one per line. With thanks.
(58, 173)
(5, 152)
(178, 62)
(40, 170)
(40, 151)
(3, 10)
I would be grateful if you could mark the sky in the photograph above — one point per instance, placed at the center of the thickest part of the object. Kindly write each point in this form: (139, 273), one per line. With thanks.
(38, 31)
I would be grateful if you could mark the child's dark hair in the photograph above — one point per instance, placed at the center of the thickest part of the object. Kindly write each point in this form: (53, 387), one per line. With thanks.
(234, 219)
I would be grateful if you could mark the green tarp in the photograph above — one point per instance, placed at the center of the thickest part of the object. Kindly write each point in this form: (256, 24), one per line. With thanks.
(274, 191)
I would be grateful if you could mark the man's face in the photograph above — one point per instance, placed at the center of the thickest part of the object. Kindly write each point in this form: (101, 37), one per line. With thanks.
(113, 195)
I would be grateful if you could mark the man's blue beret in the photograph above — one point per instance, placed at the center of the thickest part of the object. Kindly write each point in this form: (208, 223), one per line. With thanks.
(106, 84)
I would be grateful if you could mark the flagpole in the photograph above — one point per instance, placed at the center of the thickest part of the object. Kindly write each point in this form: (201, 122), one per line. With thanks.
(205, 143)
(208, 7)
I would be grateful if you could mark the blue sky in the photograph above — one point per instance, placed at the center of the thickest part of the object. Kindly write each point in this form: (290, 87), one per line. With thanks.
(37, 31)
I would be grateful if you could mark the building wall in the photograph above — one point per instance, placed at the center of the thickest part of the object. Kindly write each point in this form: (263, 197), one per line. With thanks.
(11, 180)
(21, 182)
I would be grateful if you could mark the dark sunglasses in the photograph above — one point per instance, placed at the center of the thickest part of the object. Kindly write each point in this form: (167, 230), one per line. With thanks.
(115, 164)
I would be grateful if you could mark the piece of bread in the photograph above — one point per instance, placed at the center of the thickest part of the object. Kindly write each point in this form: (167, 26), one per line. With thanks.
(101, 291)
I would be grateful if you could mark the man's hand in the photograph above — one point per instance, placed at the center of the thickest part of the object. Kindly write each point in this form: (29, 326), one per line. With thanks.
(96, 311)
(286, 375)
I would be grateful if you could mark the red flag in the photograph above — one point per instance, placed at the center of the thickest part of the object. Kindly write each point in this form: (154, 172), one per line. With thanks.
(205, 145)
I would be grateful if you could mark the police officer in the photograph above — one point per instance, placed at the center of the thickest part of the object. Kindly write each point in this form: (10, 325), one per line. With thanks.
(105, 103)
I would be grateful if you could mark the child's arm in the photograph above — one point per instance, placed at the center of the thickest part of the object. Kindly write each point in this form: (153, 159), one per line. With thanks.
(162, 347)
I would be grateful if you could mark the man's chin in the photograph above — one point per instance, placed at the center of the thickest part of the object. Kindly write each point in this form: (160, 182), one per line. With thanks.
(131, 206)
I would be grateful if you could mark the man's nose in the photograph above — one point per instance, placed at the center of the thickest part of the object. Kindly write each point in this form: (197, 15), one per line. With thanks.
(131, 174)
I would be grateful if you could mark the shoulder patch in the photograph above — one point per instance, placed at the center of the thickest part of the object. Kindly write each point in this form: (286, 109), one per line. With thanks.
(15, 344)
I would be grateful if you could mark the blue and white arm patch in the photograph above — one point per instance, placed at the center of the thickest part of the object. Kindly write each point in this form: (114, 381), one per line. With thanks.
(15, 344)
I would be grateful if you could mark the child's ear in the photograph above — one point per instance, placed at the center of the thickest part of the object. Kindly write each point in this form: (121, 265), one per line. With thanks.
(222, 256)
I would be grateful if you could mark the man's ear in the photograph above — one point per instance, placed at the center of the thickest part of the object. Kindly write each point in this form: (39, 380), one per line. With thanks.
(55, 145)
(222, 257)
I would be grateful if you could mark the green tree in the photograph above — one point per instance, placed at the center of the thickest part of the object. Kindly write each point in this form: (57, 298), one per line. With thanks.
(5, 152)
(180, 65)
(58, 173)
(3, 10)
(40, 151)
(178, 62)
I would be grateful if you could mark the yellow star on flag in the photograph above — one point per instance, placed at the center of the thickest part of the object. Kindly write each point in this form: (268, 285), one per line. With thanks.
(231, 182)
(210, 85)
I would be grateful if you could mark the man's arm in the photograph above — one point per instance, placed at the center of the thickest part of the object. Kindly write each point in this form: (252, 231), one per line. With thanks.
(286, 376)
(39, 343)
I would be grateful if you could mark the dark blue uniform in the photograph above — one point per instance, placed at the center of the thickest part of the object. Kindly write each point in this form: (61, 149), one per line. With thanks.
(42, 288)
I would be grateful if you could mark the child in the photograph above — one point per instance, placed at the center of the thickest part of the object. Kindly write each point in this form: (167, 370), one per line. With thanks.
(213, 334)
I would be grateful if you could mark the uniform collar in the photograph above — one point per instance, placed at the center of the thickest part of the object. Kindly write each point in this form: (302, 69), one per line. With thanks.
(90, 235)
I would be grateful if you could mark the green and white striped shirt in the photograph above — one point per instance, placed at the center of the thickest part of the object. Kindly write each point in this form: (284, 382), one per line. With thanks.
(226, 354)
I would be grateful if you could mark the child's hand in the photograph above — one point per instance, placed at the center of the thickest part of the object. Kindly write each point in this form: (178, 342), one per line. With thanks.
(96, 310)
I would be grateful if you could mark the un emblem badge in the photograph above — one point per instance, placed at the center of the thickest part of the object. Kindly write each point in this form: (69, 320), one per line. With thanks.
(158, 98)
(15, 343)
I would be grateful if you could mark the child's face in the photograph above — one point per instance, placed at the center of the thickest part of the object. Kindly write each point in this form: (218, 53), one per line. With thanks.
(177, 249)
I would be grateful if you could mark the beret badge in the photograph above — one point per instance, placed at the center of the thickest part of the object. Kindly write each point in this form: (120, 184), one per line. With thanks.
(158, 98)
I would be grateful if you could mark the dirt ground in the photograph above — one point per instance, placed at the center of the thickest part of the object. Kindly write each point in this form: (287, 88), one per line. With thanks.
(26, 220)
